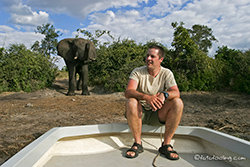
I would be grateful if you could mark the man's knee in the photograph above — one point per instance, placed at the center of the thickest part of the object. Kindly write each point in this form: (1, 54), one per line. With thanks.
(177, 104)
(131, 102)
(132, 106)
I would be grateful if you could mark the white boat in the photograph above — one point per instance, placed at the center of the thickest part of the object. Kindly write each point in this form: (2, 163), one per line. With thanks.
(106, 144)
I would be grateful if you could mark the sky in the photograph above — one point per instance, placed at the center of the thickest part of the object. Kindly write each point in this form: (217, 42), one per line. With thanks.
(140, 20)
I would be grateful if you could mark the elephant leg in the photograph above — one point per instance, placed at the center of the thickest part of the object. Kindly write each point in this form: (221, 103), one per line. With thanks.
(79, 82)
(85, 90)
(72, 79)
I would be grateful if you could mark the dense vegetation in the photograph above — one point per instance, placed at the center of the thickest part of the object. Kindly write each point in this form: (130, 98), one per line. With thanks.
(188, 59)
(23, 69)
(29, 70)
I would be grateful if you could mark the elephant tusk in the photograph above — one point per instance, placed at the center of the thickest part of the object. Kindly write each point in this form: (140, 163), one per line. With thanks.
(75, 57)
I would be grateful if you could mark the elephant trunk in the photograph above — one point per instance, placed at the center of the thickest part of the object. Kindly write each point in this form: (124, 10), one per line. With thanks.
(85, 56)
(87, 50)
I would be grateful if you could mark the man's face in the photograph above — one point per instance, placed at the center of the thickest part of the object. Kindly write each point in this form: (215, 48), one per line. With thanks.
(152, 60)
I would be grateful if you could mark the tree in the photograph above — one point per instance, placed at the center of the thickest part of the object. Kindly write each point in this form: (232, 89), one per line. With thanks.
(192, 67)
(184, 47)
(202, 36)
(94, 37)
(47, 46)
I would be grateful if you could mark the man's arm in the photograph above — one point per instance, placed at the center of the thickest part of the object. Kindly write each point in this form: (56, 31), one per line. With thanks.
(131, 92)
(173, 93)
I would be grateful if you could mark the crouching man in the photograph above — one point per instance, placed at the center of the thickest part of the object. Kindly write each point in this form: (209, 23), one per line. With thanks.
(153, 98)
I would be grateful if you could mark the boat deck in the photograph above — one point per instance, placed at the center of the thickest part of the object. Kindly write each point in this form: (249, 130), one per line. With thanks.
(110, 150)
(106, 145)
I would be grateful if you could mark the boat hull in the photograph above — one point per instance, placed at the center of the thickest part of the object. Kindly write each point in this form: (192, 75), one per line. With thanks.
(106, 145)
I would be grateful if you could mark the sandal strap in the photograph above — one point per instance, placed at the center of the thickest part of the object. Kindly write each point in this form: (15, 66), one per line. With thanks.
(167, 145)
(173, 151)
(133, 150)
(137, 145)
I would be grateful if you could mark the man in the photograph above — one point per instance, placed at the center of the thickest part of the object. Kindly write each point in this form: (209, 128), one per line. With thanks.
(153, 98)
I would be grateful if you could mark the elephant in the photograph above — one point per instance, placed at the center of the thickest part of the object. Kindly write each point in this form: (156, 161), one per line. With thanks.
(77, 53)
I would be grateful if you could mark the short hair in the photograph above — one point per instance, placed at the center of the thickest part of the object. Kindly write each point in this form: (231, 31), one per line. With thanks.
(161, 52)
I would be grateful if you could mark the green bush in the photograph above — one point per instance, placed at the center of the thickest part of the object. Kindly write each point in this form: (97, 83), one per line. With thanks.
(182, 81)
(187, 58)
(241, 79)
(22, 69)
(193, 71)
(236, 69)
(114, 64)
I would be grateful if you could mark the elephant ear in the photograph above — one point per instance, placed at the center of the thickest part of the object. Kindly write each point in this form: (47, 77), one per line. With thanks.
(92, 51)
(64, 49)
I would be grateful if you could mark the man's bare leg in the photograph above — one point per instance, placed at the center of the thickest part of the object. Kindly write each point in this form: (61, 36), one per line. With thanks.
(171, 113)
(133, 114)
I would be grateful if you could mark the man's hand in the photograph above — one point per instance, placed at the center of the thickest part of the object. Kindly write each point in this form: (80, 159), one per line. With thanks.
(161, 96)
(155, 101)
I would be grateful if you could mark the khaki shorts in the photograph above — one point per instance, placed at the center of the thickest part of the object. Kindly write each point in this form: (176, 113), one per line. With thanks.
(150, 117)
